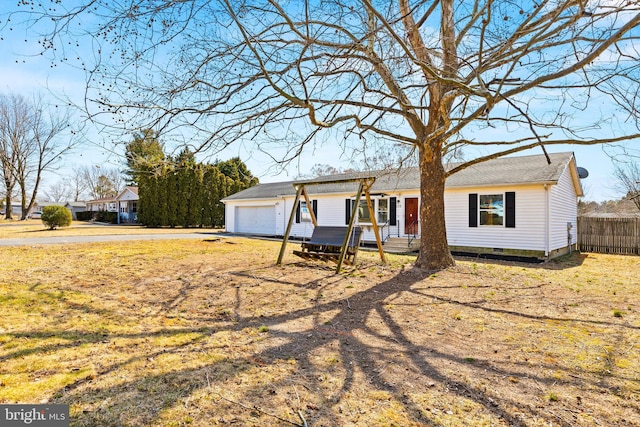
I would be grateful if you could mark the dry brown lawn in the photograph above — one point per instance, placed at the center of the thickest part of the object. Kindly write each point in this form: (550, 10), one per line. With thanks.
(212, 332)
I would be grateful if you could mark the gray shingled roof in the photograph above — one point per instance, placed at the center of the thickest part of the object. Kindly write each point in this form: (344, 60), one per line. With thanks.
(506, 170)
(77, 204)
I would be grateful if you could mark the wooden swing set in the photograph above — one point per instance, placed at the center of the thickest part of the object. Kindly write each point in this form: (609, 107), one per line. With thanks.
(333, 243)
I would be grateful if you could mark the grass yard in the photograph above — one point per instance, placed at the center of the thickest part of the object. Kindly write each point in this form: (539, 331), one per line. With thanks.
(211, 332)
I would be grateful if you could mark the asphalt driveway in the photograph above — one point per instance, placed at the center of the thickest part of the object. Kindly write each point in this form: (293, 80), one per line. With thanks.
(108, 238)
(32, 241)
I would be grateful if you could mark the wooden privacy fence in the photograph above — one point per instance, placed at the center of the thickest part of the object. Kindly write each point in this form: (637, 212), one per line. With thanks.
(609, 235)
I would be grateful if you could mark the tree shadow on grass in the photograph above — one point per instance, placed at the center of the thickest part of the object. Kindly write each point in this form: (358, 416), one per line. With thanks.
(310, 363)
(570, 260)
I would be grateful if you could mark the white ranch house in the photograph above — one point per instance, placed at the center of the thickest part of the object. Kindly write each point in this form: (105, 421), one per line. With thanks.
(125, 203)
(519, 206)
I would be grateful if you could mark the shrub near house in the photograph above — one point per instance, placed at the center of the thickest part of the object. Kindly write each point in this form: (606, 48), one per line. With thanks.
(56, 216)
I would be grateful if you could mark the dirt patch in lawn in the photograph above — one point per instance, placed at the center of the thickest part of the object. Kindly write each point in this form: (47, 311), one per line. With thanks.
(213, 333)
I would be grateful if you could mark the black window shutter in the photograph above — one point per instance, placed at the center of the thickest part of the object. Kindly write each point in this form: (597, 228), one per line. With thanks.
(473, 210)
(510, 209)
(314, 204)
(392, 210)
(347, 211)
(298, 213)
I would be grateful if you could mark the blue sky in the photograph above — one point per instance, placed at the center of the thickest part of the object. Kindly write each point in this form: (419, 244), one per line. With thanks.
(23, 73)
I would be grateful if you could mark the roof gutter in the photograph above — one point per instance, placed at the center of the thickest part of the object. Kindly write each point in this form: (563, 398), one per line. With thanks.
(503, 184)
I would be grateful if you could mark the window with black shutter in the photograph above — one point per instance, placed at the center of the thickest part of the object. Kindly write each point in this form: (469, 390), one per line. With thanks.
(473, 210)
(496, 209)
(510, 209)
(347, 211)
(393, 202)
(301, 209)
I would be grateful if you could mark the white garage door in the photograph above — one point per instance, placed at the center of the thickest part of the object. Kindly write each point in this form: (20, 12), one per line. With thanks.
(256, 220)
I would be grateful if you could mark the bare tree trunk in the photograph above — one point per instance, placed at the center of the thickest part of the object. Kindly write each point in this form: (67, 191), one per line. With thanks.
(9, 184)
(8, 208)
(29, 202)
(23, 202)
(434, 250)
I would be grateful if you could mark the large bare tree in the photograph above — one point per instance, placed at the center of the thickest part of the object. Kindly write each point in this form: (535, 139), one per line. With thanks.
(57, 192)
(34, 139)
(101, 182)
(51, 139)
(438, 76)
(14, 111)
(77, 183)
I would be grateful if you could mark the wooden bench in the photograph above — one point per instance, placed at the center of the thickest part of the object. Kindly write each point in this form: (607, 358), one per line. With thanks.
(326, 244)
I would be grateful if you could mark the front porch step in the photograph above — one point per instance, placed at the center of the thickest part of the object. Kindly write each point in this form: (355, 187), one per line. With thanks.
(401, 245)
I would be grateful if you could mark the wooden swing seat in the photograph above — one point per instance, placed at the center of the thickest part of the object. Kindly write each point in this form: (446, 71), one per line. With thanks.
(326, 244)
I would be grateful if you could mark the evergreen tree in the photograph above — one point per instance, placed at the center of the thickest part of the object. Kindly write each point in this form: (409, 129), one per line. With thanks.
(185, 193)
(143, 155)
(236, 170)
(196, 200)
(183, 164)
(172, 197)
(210, 194)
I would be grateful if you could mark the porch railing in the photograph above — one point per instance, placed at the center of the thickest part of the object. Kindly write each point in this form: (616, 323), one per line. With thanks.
(412, 232)
(382, 228)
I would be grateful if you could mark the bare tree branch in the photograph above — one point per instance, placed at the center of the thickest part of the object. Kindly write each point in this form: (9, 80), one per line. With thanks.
(439, 76)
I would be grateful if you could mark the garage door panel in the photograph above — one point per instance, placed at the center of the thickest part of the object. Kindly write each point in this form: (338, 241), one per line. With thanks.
(256, 220)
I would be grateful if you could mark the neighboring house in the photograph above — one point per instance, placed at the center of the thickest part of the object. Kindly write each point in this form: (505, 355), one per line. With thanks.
(519, 206)
(127, 202)
(76, 207)
(36, 212)
(105, 204)
(16, 209)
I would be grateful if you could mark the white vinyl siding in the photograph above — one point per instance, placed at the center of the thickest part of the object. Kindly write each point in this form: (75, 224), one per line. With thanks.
(330, 212)
(563, 210)
(528, 233)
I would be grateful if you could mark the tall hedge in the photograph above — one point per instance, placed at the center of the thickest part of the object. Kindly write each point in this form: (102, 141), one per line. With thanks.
(188, 194)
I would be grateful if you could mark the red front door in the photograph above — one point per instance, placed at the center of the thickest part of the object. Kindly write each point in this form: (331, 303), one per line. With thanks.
(411, 215)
